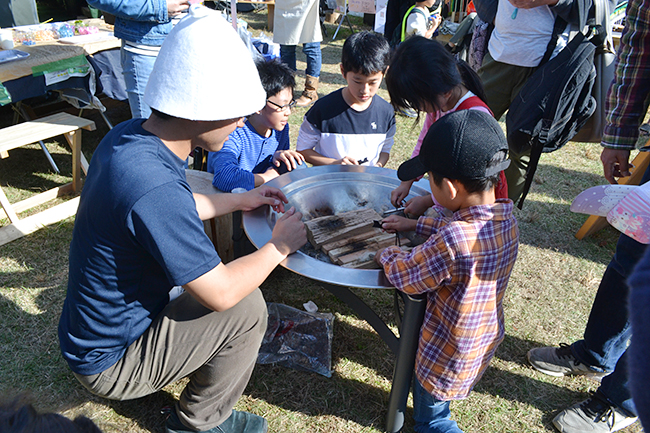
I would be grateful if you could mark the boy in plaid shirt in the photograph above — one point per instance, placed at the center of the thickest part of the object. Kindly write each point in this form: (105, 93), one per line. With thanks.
(463, 267)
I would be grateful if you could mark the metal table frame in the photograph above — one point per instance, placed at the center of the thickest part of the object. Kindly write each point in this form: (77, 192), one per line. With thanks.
(403, 347)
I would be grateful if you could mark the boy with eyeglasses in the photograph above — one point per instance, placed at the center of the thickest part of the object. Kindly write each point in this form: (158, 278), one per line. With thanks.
(259, 151)
(352, 125)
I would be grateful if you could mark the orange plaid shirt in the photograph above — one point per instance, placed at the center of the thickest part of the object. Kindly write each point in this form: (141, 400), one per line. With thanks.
(464, 269)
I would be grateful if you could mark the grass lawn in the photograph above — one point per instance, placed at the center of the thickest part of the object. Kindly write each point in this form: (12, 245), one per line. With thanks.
(548, 300)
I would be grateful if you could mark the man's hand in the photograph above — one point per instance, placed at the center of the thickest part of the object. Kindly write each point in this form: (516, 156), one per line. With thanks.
(396, 223)
(615, 164)
(175, 7)
(289, 232)
(263, 195)
(290, 158)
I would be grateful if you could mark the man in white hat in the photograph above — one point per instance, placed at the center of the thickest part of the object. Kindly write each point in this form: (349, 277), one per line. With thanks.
(138, 233)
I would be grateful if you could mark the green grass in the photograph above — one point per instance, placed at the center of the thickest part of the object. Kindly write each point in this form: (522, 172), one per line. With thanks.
(547, 302)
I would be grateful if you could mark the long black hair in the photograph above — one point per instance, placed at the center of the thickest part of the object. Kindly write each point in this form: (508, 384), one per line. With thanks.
(421, 70)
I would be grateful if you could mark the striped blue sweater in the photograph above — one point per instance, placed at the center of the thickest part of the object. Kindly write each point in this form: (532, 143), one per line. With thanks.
(244, 153)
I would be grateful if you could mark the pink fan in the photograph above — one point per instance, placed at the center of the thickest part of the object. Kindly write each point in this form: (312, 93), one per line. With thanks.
(599, 200)
(632, 214)
(627, 208)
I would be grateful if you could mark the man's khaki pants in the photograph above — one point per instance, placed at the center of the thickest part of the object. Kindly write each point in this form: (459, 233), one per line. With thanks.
(217, 350)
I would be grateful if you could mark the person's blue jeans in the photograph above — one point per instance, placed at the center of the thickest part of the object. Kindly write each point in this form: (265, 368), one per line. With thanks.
(431, 415)
(608, 331)
(136, 69)
(312, 53)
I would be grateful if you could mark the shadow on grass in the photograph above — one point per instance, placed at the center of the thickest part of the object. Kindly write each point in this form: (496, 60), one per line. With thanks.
(553, 226)
(29, 169)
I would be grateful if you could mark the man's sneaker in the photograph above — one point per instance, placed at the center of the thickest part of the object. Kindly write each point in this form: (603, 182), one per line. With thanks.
(560, 361)
(593, 415)
(239, 422)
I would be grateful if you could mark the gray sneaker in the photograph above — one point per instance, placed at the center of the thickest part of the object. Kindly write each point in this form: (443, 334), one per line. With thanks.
(560, 361)
(594, 415)
(238, 422)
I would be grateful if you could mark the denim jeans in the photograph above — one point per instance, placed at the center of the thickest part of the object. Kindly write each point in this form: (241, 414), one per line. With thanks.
(312, 53)
(608, 329)
(136, 69)
(431, 415)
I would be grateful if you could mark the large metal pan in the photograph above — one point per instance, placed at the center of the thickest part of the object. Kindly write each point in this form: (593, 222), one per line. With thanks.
(328, 190)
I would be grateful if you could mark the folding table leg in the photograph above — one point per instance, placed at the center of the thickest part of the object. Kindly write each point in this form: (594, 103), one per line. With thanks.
(74, 140)
(21, 111)
(7, 207)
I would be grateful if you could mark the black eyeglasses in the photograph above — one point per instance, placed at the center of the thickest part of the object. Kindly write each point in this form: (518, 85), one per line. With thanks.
(279, 107)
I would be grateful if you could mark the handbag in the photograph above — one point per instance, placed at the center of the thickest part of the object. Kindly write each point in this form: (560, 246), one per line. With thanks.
(604, 61)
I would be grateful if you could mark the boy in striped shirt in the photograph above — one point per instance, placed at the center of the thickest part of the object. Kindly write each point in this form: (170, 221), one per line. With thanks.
(259, 151)
(463, 267)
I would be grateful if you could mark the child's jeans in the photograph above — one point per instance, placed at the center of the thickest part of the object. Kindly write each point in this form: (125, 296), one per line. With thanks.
(431, 415)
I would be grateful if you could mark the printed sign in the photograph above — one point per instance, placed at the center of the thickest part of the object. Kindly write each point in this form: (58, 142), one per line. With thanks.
(362, 6)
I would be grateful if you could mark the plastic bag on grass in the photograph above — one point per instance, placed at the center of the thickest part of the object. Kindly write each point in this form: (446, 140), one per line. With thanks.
(298, 339)
(266, 47)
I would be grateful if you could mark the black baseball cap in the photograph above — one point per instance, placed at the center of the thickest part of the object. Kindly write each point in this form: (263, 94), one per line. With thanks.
(459, 145)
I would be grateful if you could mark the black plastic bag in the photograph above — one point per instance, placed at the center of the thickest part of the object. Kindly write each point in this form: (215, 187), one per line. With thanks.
(298, 339)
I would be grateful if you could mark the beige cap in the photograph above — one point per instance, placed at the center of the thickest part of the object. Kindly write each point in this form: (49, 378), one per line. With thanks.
(204, 71)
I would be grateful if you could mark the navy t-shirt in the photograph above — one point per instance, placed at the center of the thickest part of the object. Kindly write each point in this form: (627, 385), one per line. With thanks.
(137, 234)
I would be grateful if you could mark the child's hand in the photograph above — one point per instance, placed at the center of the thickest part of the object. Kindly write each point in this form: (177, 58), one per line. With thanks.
(398, 195)
(290, 158)
(434, 22)
(417, 206)
(396, 223)
(346, 160)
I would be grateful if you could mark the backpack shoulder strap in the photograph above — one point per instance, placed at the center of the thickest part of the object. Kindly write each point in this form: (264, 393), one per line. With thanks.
(406, 16)
(471, 102)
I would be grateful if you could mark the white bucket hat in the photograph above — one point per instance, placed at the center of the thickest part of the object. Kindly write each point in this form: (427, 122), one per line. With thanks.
(204, 71)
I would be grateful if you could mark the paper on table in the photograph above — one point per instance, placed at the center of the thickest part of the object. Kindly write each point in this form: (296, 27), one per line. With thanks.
(86, 39)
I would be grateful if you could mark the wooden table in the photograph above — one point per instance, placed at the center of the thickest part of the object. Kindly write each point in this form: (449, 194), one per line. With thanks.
(48, 64)
(220, 229)
(270, 6)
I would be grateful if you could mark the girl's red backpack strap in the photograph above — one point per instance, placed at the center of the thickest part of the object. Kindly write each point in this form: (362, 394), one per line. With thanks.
(471, 102)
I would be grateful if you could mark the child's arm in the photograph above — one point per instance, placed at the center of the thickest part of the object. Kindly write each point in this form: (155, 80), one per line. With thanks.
(383, 159)
(398, 195)
(418, 205)
(225, 166)
(262, 178)
(420, 270)
(435, 20)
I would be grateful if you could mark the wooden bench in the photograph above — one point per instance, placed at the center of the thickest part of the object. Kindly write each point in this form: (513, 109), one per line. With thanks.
(270, 6)
(30, 132)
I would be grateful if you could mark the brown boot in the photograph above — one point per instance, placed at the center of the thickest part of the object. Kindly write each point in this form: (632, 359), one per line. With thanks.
(309, 95)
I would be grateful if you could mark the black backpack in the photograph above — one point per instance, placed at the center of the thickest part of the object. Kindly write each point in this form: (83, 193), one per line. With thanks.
(554, 103)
